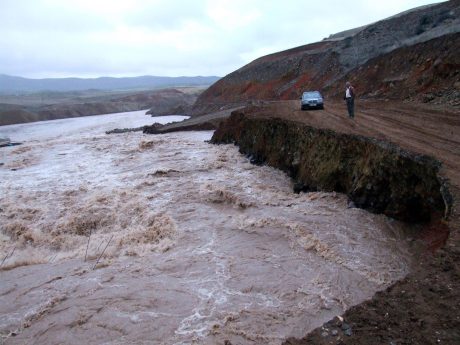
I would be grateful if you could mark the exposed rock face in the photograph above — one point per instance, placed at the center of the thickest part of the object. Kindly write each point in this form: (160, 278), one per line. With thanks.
(323, 65)
(376, 175)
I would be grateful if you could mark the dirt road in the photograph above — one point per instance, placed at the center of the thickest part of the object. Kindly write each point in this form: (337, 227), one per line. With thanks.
(425, 130)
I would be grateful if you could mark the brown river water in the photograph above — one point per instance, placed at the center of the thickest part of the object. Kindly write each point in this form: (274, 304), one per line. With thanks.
(200, 246)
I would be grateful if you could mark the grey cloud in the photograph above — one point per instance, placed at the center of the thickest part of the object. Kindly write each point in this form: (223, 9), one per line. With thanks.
(90, 38)
(166, 14)
(32, 16)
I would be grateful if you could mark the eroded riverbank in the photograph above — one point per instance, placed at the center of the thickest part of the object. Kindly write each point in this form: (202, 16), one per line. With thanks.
(419, 309)
(206, 247)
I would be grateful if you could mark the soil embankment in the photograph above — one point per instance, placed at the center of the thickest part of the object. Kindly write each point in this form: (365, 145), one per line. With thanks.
(205, 122)
(423, 307)
(376, 175)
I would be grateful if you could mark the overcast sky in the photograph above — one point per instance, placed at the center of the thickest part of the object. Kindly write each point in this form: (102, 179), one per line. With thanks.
(90, 38)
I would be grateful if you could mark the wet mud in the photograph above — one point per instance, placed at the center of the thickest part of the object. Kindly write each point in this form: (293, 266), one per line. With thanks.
(201, 246)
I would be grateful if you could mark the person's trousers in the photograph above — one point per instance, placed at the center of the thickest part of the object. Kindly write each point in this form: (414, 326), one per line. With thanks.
(351, 107)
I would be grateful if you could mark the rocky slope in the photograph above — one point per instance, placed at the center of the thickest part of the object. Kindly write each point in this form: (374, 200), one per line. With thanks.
(325, 65)
(427, 72)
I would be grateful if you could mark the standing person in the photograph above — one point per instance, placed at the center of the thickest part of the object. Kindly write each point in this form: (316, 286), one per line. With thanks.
(350, 98)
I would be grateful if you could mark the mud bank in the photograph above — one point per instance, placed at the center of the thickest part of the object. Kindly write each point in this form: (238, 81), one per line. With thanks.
(376, 175)
(420, 309)
(158, 128)
(209, 121)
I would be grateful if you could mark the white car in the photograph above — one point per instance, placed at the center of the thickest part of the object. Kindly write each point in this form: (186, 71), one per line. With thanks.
(312, 99)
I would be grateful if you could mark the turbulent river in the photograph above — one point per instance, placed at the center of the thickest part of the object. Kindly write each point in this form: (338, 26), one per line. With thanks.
(195, 245)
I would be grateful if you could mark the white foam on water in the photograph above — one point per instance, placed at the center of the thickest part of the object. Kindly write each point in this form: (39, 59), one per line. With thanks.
(200, 245)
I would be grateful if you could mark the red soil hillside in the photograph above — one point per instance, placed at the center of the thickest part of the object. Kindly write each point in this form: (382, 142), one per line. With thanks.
(428, 72)
(421, 45)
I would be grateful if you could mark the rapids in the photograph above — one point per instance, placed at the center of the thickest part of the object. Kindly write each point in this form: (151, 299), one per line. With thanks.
(201, 246)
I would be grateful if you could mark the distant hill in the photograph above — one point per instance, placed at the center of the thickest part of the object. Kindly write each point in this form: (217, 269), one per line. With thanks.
(409, 56)
(12, 84)
(32, 107)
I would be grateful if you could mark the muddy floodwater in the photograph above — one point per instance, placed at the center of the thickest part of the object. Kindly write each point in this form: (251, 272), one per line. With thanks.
(195, 245)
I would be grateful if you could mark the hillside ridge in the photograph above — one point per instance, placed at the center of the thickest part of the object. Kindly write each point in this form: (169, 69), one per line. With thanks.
(14, 84)
(323, 65)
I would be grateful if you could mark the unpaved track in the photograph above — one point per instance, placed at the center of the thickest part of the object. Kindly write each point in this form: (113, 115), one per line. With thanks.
(431, 131)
